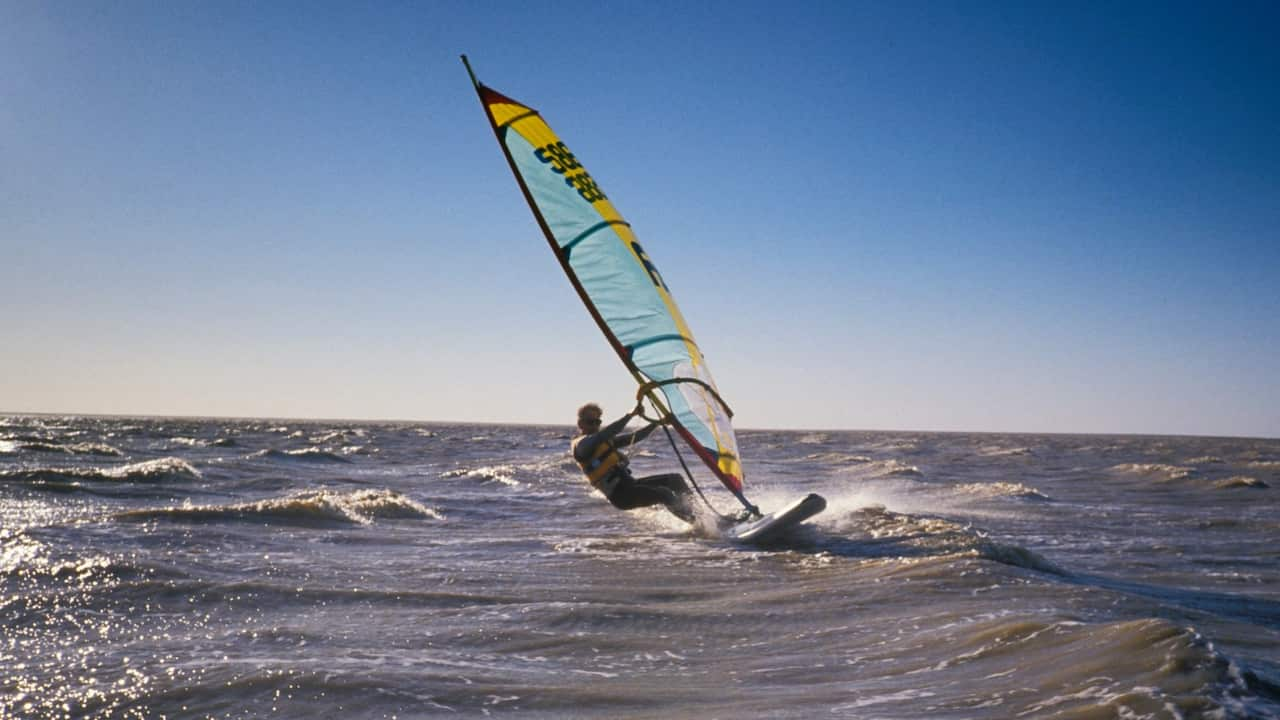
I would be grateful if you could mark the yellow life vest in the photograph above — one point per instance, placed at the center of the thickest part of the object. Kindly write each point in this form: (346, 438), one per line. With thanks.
(602, 464)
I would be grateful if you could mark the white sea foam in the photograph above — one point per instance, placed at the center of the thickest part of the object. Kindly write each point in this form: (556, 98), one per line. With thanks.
(1205, 460)
(359, 506)
(1001, 489)
(1004, 451)
(1158, 470)
(837, 458)
(505, 474)
(1241, 481)
(895, 468)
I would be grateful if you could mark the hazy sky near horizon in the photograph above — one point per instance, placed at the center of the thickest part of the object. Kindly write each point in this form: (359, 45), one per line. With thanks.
(876, 215)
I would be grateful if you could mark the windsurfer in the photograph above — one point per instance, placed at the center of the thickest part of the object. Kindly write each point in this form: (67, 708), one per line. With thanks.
(596, 451)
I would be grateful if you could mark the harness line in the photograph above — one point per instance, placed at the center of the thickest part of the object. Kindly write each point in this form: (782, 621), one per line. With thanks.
(647, 389)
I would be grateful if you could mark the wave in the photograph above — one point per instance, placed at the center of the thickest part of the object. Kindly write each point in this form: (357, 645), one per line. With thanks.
(311, 454)
(900, 535)
(99, 449)
(1015, 556)
(83, 573)
(898, 445)
(338, 436)
(28, 437)
(1092, 666)
(1002, 489)
(24, 559)
(1206, 460)
(1158, 470)
(1241, 481)
(998, 451)
(17, 550)
(328, 438)
(895, 468)
(360, 507)
(505, 474)
(837, 458)
(518, 474)
(45, 447)
(150, 471)
(41, 446)
(867, 467)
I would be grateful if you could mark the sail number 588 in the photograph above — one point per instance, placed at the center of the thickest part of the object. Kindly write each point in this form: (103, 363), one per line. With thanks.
(563, 162)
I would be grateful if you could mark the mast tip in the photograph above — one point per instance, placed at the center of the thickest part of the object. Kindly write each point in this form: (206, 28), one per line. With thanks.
(466, 63)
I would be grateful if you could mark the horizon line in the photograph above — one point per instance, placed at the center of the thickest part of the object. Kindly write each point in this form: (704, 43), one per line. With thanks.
(390, 421)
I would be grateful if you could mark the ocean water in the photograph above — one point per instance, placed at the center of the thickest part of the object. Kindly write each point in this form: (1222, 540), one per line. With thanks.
(175, 568)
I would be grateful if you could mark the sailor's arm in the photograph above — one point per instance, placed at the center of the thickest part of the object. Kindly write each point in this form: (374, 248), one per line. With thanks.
(637, 436)
(587, 445)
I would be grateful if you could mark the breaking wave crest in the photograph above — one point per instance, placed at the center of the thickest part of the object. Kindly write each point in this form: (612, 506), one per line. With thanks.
(311, 454)
(360, 507)
(1159, 471)
(150, 471)
(1241, 481)
(892, 534)
(1000, 451)
(505, 474)
(1002, 489)
(838, 458)
(1206, 460)
(40, 446)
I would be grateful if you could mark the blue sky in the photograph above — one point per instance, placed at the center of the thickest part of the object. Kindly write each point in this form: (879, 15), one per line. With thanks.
(933, 216)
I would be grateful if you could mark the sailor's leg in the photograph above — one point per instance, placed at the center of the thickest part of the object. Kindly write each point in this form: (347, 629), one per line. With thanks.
(674, 493)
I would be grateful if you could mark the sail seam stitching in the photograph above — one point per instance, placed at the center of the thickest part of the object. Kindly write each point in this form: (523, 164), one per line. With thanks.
(592, 230)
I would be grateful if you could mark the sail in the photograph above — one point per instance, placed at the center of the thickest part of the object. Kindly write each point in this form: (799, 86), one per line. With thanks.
(618, 281)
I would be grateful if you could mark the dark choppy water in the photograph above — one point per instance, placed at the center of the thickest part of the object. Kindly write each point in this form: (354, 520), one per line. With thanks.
(211, 568)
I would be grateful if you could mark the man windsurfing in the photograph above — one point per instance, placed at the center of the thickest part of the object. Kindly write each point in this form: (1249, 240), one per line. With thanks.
(597, 452)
